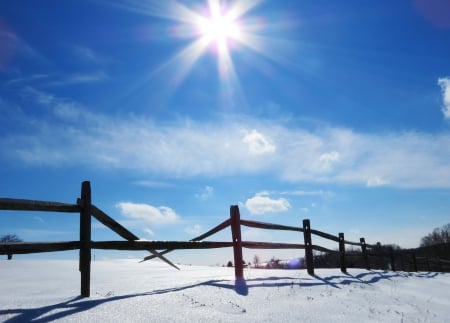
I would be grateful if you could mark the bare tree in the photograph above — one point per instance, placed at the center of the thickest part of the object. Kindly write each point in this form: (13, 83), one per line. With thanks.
(256, 260)
(10, 238)
(439, 235)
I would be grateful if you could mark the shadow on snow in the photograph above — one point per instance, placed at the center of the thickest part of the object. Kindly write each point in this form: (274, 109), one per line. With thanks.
(241, 287)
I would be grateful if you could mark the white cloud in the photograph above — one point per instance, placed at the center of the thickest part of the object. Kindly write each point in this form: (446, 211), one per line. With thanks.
(154, 184)
(261, 203)
(330, 157)
(65, 133)
(328, 160)
(40, 97)
(258, 143)
(376, 181)
(58, 107)
(148, 213)
(194, 230)
(444, 83)
(149, 232)
(206, 193)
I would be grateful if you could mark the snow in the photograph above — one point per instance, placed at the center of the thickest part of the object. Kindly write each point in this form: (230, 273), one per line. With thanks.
(128, 291)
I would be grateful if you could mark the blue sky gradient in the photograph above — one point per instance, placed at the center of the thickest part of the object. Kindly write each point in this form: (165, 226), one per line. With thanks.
(336, 111)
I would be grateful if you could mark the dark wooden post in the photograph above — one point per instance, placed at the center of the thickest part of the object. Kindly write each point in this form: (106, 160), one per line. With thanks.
(308, 247)
(85, 238)
(380, 256)
(237, 241)
(364, 252)
(342, 252)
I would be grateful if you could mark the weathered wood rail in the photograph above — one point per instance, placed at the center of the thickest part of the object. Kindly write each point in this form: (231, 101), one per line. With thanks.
(158, 249)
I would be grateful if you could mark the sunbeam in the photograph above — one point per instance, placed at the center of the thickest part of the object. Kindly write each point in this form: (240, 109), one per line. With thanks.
(216, 28)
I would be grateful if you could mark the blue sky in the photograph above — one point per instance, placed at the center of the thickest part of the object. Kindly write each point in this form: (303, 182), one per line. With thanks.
(336, 111)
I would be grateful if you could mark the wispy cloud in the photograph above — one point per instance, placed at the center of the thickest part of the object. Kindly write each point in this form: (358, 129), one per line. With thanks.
(12, 45)
(376, 181)
(206, 193)
(28, 79)
(33, 234)
(61, 108)
(59, 79)
(444, 83)
(70, 79)
(89, 55)
(186, 149)
(262, 203)
(80, 78)
(303, 193)
(154, 184)
(149, 232)
(193, 230)
(148, 213)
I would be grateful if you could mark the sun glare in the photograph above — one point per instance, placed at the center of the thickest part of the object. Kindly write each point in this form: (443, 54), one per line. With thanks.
(219, 28)
(220, 25)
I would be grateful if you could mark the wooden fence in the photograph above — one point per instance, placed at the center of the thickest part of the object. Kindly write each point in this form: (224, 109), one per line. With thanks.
(86, 209)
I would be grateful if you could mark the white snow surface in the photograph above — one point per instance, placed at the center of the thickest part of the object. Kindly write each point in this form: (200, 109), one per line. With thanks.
(128, 291)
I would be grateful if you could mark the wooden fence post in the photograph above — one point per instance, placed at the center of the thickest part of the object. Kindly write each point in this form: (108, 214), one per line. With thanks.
(308, 247)
(364, 252)
(85, 238)
(342, 252)
(237, 241)
(379, 255)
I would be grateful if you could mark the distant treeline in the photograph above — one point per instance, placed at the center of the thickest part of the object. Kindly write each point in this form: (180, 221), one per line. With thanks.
(392, 257)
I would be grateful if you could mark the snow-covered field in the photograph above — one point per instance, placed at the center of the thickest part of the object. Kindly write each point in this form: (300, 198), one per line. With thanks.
(128, 291)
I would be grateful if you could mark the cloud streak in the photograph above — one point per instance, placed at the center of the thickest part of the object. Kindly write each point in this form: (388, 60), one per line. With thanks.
(444, 83)
(206, 193)
(66, 133)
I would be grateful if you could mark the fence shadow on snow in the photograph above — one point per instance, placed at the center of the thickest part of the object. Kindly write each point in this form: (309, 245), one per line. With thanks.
(80, 304)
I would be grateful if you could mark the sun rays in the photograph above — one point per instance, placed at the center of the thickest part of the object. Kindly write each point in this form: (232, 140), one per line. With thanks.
(214, 27)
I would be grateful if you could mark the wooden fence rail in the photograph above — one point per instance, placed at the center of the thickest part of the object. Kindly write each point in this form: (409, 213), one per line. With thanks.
(37, 247)
(158, 249)
(32, 205)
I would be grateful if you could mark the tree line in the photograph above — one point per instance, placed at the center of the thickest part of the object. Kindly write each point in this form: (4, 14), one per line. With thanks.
(438, 236)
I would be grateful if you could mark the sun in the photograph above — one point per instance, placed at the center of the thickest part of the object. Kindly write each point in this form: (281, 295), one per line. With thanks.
(219, 27)
(223, 28)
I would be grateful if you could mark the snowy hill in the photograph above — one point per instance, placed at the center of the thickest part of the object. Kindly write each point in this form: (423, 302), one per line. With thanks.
(128, 291)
